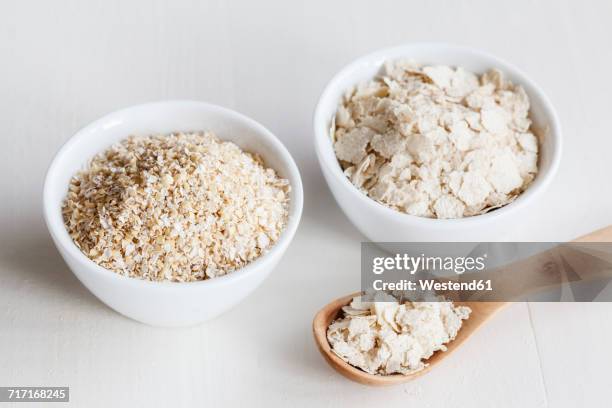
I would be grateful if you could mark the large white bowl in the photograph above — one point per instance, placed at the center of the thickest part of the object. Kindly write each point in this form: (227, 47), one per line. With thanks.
(168, 303)
(382, 224)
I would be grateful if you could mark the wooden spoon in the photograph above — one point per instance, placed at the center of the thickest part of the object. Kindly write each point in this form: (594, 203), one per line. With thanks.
(481, 313)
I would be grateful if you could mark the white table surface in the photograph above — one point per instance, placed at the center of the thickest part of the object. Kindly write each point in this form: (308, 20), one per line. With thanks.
(65, 63)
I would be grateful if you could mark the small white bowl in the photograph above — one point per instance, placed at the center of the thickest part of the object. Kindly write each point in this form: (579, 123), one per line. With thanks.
(168, 303)
(382, 224)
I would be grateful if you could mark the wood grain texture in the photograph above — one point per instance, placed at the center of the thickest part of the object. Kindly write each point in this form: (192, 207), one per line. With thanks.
(67, 62)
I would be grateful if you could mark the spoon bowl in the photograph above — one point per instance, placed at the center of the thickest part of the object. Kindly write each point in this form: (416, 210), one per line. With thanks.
(481, 312)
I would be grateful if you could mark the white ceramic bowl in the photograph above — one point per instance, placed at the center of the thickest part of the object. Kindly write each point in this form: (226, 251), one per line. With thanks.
(167, 303)
(382, 224)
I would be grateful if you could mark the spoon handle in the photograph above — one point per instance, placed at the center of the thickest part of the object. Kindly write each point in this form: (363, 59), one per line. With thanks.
(601, 235)
(549, 269)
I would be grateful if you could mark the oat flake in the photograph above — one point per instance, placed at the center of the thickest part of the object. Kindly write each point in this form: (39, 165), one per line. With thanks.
(179, 207)
(387, 337)
(437, 141)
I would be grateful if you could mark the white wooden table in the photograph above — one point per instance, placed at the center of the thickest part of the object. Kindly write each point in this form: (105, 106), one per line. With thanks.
(65, 63)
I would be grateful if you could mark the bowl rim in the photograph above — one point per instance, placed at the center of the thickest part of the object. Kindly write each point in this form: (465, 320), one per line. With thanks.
(323, 143)
(62, 239)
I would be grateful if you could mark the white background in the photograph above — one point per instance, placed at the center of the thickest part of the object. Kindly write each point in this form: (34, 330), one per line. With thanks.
(65, 63)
